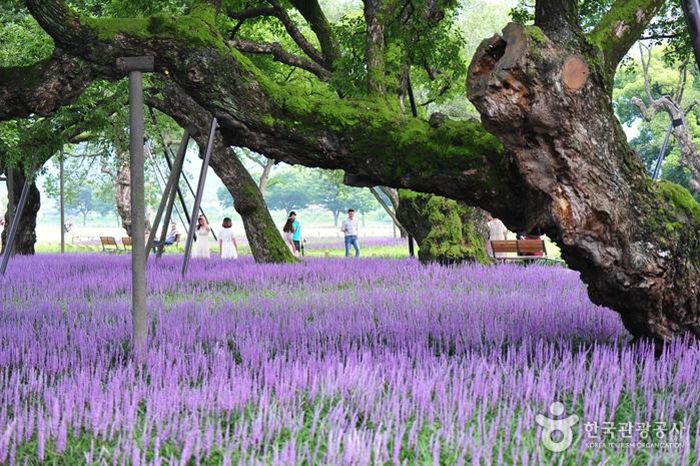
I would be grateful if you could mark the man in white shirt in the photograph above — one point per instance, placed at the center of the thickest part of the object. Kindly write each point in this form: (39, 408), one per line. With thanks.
(349, 228)
(170, 237)
(172, 234)
(497, 232)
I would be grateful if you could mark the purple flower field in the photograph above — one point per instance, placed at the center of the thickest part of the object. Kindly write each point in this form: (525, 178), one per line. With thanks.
(329, 362)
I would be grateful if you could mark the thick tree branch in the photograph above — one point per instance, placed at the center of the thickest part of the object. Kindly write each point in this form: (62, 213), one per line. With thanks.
(282, 56)
(43, 87)
(621, 27)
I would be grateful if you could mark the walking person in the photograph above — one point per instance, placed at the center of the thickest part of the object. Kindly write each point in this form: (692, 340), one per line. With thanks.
(288, 231)
(497, 232)
(296, 235)
(201, 247)
(228, 247)
(349, 228)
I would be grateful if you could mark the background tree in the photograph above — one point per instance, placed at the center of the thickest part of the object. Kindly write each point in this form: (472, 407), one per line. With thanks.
(650, 92)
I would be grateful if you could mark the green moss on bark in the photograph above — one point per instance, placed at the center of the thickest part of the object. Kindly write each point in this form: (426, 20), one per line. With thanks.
(196, 29)
(447, 231)
(680, 198)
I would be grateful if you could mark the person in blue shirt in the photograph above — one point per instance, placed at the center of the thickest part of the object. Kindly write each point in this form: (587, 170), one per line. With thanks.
(296, 237)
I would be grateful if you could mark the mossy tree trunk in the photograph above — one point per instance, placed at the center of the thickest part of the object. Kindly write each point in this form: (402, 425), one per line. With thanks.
(265, 240)
(447, 231)
(25, 238)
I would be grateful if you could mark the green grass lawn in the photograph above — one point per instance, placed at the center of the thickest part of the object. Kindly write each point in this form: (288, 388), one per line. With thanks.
(397, 250)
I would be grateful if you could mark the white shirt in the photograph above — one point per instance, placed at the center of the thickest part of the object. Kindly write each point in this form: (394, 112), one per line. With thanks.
(171, 236)
(497, 230)
(226, 234)
(349, 227)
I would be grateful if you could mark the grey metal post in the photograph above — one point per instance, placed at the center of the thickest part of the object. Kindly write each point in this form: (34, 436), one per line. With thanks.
(198, 196)
(187, 182)
(183, 204)
(171, 205)
(662, 153)
(63, 206)
(10, 196)
(136, 66)
(13, 226)
(168, 192)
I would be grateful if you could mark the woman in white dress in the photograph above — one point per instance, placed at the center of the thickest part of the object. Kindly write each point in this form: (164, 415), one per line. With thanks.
(201, 246)
(288, 231)
(227, 241)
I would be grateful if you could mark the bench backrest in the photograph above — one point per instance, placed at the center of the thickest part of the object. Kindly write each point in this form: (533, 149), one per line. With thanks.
(126, 241)
(108, 241)
(519, 247)
(531, 246)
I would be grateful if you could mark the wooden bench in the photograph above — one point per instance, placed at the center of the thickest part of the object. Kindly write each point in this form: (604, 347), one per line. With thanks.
(524, 250)
(109, 244)
(126, 241)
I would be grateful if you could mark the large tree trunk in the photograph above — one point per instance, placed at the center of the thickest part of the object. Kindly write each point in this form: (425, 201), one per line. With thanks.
(265, 240)
(447, 231)
(635, 243)
(25, 238)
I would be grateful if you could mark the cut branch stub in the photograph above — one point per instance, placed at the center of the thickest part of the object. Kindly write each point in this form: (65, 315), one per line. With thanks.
(551, 110)
(575, 73)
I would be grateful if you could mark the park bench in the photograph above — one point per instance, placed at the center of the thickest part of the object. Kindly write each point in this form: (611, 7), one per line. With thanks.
(109, 244)
(524, 250)
(126, 241)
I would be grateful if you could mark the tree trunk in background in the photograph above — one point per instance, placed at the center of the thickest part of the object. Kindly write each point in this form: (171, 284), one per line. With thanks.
(393, 196)
(26, 232)
(336, 215)
(267, 169)
(447, 231)
(265, 239)
(122, 191)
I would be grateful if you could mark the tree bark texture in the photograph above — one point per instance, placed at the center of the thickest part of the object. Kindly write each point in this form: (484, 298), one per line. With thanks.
(26, 231)
(635, 243)
(447, 231)
(122, 191)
